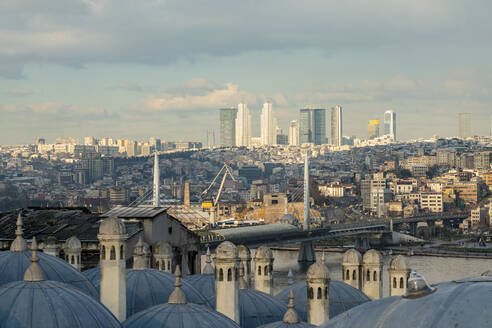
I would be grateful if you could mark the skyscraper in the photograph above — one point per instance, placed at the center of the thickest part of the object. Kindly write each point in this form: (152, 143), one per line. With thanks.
(228, 127)
(336, 126)
(211, 138)
(373, 129)
(268, 126)
(464, 125)
(294, 133)
(243, 126)
(390, 123)
(312, 125)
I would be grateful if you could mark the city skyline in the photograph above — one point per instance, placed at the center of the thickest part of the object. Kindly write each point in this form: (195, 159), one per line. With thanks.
(80, 72)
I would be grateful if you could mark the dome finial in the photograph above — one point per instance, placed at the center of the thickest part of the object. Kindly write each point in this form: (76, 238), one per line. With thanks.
(208, 268)
(291, 315)
(290, 278)
(323, 257)
(19, 244)
(177, 296)
(34, 271)
(242, 283)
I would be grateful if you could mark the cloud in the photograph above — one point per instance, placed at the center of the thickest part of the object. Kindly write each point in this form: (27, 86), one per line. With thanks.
(80, 32)
(18, 92)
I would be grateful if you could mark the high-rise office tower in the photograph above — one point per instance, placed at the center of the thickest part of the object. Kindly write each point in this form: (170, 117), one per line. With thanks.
(390, 123)
(268, 126)
(294, 133)
(210, 138)
(464, 125)
(336, 126)
(155, 143)
(243, 126)
(373, 129)
(312, 125)
(228, 127)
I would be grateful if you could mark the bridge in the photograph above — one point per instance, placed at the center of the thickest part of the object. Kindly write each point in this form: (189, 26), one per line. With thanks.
(254, 236)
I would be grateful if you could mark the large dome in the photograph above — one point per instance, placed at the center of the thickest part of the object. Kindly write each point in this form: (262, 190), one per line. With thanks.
(149, 287)
(179, 315)
(50, 304)
(342, 298)
(14, 264)
(464, 303)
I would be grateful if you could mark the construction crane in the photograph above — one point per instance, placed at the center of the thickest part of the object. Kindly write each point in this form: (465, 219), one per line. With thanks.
(214, 204)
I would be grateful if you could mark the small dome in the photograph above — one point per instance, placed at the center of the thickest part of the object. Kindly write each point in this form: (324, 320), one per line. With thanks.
(264, 252)
(141, 247)
(51, 304)
(351, 257)
(398, 263)
(164, 249)
(289, 219)
(205, 284)
(318, 270)
(465, 303)
(179, 315)
(258, 308)
(244, 252)
(111, 227)
(372, 256)
(14, 264)
(342, 297)
(149, 287)
(291, 319)
(226, 250)
(73, 243)
(50, 241)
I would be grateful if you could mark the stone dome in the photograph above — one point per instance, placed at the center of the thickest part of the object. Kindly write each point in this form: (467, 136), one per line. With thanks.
(226, 250)
(398, 263)
(351, 257)
(372, 256)
(179, 315)
(14, 264)
(163, 248)
(50, 304)
(73, 243)
(341, 295)
(243, 252)
(112, 226)
(264, 252)
(463, 303)
(149, 287)
(318, 270)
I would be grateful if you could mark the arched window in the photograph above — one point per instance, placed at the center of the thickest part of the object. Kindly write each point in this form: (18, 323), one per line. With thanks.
(394, 282)
(122, 253)
(310, 293)
(266, 270)
(375, 276)
(326, 293)
(368, 275)
(221, 275)
(229, 274)
(354, 275)
(112, 254)
(319, 296)
(259, 270)
(103, 252)
(401, 282)
(347, 275)
(72, 259)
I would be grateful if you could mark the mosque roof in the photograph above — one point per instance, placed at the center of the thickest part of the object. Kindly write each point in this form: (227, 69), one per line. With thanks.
(462, 303)
(342, 297)
(149, 287)
(290, 319)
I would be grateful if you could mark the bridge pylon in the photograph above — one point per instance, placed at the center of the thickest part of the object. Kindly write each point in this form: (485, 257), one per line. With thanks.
(306, 253)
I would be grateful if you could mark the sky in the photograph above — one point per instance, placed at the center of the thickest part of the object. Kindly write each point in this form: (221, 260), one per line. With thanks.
(136, 69)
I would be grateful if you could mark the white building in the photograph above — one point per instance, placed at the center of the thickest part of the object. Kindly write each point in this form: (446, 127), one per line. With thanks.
(268, 126)
(243, 126)
(336, 126)
(294, 133)
(390, 123)
(431, 201)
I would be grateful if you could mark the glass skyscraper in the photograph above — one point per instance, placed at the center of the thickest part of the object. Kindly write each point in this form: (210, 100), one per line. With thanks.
(336, 126)
(464, 125)
(312, 126)
(390, 123)
(228, 126)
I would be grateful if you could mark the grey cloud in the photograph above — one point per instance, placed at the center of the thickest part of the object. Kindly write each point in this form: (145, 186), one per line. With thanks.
(18, 92)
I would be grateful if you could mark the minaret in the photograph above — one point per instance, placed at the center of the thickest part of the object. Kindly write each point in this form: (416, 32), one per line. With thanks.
(307, 221)
(245, 258)
(372, 267)
(157, 196)
(51, 246)
(34, 272)
(19, 244)
(163, 256)
(73, 252)
(141, 255)
(398, 276)
(318, 284)
(112, 236)
(208, 268)
(264, 270)
(227, 280)
(351, 268)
